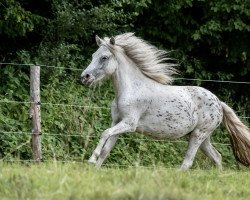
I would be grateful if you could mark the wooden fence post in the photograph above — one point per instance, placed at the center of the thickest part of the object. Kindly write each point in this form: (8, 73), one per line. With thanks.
(35, 112)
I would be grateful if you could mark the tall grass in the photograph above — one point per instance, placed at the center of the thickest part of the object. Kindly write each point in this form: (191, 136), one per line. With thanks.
(56, 181)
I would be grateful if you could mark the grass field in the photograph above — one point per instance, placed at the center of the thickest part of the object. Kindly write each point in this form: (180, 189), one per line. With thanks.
(80, 181)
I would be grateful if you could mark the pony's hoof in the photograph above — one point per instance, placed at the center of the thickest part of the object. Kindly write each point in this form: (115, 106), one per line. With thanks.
(92, 161)
(183, 168)
(180, 170)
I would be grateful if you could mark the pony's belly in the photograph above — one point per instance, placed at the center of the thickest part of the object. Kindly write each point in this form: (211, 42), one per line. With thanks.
(165, 130)
(159, 134)
(164, 126)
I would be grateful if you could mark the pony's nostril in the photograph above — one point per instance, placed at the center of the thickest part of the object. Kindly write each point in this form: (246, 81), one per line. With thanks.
(87, 76)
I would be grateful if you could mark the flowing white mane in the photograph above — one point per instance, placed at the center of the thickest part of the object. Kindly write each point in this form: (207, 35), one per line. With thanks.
(150, 60)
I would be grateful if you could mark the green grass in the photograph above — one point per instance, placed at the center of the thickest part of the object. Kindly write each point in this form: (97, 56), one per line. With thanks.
(80, 181)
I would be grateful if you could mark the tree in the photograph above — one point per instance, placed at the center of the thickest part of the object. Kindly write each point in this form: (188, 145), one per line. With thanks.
(209, 37)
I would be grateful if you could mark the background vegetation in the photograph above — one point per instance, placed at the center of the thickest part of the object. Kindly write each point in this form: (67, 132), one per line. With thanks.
(209, 38)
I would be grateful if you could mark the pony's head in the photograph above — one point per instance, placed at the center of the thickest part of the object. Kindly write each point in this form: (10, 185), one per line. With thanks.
(103, 62)
(152, 62)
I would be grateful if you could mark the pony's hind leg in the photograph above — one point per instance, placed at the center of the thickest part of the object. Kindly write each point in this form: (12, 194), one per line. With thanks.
(208, 149)
(195, 140)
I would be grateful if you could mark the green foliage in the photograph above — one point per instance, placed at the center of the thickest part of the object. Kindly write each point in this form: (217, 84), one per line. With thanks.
(209, 38)
(15, 20)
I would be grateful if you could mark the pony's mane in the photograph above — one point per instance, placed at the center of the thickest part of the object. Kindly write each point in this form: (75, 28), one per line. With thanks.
(150, 60)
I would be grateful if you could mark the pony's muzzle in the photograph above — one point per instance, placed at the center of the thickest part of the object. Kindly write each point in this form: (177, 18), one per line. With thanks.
(87, 78)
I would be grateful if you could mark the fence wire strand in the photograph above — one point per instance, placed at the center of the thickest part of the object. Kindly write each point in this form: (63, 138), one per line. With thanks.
(77, 69)
(213, 80)
(55, 104)
(48, 66)
(74, 105)
(97, 136)
(85, 162)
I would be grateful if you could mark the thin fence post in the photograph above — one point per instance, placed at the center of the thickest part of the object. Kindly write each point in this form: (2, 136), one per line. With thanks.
(35, 112)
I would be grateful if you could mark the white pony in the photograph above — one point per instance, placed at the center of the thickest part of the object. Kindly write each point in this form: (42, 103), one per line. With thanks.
(146, 102)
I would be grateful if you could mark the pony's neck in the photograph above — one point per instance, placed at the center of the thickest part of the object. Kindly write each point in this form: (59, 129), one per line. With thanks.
(126, 75)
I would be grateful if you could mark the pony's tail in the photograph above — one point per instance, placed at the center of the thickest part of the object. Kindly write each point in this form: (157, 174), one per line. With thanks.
(239, 135)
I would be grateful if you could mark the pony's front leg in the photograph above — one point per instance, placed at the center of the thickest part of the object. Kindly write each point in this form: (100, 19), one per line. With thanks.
(128, 125)
(106, 150)
(111, 142)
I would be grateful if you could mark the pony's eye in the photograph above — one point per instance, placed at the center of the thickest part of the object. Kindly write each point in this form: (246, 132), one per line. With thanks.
(104, 58)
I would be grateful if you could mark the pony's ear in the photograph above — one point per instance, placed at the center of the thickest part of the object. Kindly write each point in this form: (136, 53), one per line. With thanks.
(98, 40)
(112, 40)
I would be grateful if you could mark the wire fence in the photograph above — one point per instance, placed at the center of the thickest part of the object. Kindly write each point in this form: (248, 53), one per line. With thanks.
(47, 66)
(5, 101)
(55, 104)
(77, 69)
(135, 165)
(73, 105)
(97, 136)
